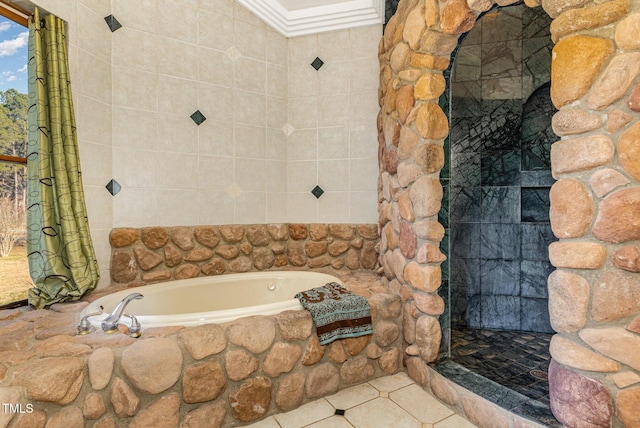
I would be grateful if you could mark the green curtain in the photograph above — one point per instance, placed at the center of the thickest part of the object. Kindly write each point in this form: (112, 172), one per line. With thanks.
(62, 261)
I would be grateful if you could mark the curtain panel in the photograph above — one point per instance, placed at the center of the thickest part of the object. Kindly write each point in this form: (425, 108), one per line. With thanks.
(62, 261)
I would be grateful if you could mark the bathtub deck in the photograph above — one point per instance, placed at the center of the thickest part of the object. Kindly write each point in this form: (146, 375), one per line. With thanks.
(362, 282)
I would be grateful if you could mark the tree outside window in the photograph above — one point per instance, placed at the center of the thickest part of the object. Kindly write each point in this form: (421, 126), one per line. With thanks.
(14, 271)
(13, 192)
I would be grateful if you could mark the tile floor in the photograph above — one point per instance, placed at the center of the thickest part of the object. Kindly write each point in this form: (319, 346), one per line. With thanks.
(507, 368)
(516, 360)
(391, 401)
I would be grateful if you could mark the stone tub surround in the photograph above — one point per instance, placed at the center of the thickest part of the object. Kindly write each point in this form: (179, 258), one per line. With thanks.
(214, 375)
(153, 254)
(206, 376)
(593, 204)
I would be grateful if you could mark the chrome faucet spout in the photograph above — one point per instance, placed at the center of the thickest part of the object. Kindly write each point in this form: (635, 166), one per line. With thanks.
(110, 323)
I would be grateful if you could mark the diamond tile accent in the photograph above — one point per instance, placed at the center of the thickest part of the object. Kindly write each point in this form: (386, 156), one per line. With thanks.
(112, 22)
(233, 53)
(113, 187)
(198, 117)
(317, 192)
(234, 191)
(317, 63)
(288, 129)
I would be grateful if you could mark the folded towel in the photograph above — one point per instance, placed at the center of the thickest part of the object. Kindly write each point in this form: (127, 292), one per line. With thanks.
(337, 312)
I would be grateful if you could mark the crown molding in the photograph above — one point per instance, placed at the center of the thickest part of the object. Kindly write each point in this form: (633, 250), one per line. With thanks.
(317, 19)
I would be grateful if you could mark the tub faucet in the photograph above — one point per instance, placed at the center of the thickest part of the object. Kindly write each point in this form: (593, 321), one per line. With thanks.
(110, 323)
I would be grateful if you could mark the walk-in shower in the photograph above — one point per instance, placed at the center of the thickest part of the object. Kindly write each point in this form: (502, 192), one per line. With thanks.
(498, 181)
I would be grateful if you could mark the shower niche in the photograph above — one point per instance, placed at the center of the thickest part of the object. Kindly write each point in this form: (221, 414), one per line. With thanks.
(499, 173)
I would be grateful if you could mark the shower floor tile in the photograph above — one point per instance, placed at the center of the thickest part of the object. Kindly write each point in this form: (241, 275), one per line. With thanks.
(518, 361)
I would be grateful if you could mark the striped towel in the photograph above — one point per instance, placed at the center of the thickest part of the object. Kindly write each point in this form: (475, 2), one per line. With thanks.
(337, 312)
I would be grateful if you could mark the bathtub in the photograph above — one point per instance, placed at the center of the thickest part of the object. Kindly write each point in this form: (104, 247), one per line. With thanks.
(211, 299)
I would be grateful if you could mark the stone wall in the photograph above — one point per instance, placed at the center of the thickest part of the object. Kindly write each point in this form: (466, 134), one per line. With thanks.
(153, 254)
(207, 376)
(593, 301)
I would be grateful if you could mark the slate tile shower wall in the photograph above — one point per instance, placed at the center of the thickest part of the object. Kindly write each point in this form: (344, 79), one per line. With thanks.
(500, 174)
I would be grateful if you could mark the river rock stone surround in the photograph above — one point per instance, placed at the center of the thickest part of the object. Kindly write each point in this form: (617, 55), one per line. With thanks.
(594, 203)
(209, 376)
(153, 254)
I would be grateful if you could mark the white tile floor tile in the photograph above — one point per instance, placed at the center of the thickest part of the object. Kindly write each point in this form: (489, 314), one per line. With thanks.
(350, 397)
(306, 414)
(455, 421)
(379, 413)
(391, 383)
(419, 403)
(332, 422)
(367, 406)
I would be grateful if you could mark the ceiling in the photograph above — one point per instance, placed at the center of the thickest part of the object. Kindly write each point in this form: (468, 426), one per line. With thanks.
(304, 4)
(301, 17)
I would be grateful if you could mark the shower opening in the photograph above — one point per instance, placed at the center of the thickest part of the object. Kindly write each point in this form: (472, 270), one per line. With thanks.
(497, 184)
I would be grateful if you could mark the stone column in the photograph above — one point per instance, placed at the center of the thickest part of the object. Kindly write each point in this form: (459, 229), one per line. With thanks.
(414, 52)
(595, 66)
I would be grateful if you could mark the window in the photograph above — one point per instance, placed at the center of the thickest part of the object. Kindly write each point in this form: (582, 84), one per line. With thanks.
(14, 271)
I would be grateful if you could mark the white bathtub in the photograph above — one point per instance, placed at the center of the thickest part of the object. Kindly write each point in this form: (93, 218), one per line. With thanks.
(212, 299)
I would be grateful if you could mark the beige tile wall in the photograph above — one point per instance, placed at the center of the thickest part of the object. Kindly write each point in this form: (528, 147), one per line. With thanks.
(135, 89)
(333, 112)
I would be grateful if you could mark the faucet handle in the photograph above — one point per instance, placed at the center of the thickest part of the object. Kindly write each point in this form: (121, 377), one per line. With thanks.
(135, 327)
(85, 326)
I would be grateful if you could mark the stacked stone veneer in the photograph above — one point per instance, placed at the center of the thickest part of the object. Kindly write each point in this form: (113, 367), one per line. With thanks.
(207, 376)
(594, 300)
(154, 254)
